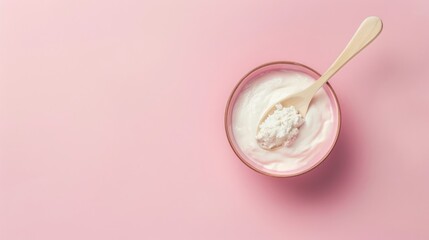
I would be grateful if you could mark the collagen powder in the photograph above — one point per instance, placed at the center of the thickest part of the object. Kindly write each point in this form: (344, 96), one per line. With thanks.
(280, 128)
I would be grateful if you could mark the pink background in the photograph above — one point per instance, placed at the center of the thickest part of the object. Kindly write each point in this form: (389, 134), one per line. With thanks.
(111, 121)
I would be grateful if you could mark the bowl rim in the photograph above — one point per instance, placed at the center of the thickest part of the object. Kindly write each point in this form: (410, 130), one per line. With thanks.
(229, 133)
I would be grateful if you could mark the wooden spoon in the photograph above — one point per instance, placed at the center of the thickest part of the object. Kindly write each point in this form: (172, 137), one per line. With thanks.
(369, 29)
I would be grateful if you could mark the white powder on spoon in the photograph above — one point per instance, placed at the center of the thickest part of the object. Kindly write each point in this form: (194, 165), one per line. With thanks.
(280, 128)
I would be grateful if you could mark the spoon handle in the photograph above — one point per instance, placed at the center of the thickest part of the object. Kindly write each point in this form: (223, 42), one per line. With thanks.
(364, 35)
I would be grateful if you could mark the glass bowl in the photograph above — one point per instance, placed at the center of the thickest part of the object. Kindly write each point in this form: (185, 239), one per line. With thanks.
(248, 78)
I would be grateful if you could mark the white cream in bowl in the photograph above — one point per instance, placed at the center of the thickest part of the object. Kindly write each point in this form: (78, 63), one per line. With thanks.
(266, 90)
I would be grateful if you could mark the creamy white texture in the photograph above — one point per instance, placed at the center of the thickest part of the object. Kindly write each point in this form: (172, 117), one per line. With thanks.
(267, 90)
